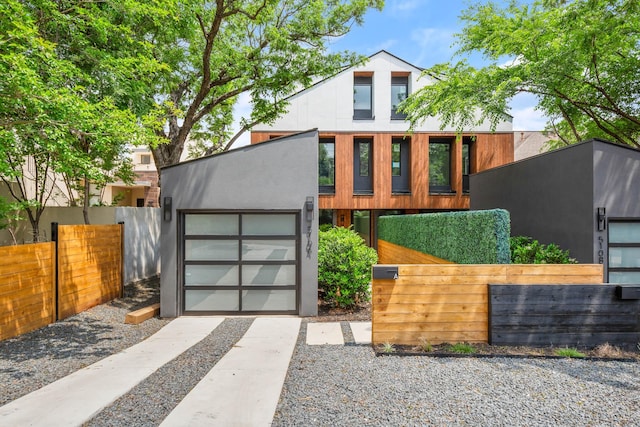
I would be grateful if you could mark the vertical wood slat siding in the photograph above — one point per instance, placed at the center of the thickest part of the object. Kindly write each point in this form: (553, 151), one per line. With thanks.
(90, 266)
(560, 315)
(490, 150)
(450, 302)
(27, 288)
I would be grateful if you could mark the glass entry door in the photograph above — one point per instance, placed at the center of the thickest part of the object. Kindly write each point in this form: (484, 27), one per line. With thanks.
(240, 262)
(624, 251)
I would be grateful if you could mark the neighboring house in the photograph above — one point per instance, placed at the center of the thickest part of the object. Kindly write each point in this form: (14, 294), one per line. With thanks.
(583, 197)
(368, 164)
(530, 143)
(237, 233)
(144, 192)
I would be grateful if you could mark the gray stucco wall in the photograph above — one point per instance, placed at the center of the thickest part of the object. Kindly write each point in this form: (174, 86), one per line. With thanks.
(141, 242)
(549, 197)
(275, 175)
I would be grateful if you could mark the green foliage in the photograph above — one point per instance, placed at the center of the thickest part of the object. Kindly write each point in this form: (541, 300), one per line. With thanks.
(461, 348)
(425, 345)
(570, 353)
(474, 237)
(325, 227)
(525, 250)
(387, 347)
(344, 266)
(578, 58)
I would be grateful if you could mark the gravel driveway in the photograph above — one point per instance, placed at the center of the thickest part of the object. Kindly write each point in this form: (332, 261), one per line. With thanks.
(334, 385)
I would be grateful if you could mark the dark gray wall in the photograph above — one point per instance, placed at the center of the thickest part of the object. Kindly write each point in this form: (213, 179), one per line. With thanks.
(549, 197)
(278, 174)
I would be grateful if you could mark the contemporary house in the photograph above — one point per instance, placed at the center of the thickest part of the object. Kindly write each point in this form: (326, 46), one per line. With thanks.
(238, 233)
(583, 197)
(368, 164)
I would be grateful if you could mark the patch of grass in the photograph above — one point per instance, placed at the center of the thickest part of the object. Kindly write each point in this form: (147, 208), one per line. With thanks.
(425, 345)
(570, 353)
(388, 348)
(607, 350)
(462, 348)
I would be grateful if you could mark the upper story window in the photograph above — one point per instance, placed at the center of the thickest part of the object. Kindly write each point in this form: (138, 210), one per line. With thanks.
(467, 157)
(145, 159)
(440, 165)
(363, 96)
(399, 92)
(326, 165)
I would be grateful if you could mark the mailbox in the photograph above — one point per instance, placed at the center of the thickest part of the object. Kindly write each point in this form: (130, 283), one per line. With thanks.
(628, 292)
(385, 271)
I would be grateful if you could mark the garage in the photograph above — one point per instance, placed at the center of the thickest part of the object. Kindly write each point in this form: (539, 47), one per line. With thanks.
(239, 231)
(240, 262)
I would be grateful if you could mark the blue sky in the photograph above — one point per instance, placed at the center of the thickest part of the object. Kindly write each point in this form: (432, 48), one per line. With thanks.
(422, 33)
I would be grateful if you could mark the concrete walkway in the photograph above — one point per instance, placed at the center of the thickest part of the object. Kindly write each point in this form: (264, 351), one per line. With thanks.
(243, 388)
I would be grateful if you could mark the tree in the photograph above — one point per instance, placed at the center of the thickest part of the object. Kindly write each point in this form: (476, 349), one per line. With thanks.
(217, 50)
(579, 58)
(54, 119)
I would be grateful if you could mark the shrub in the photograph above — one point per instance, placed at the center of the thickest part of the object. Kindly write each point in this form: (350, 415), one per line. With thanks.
(344, 267)
(525, 250)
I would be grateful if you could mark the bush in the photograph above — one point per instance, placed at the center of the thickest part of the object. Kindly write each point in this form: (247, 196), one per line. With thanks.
(526, 250)
(344, 267)
(468, 237)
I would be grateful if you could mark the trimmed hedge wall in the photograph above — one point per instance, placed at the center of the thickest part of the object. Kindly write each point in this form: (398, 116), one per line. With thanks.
(469, 237)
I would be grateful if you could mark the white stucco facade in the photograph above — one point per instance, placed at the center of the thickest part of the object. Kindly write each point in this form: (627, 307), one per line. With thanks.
(328, 105)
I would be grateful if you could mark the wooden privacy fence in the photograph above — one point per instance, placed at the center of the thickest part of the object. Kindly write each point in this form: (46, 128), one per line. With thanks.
(450, 302)
(89, 272)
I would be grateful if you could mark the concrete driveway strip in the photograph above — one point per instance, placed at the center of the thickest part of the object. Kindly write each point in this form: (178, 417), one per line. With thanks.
(244, 387)
(76, 398)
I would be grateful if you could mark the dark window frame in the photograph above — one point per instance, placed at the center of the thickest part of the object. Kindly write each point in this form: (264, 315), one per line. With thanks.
(399, 81)
(401, 183)
(620, 245)
(469, 142)
(327, 188)
(439, 188)
(363, 81)
(362, 184)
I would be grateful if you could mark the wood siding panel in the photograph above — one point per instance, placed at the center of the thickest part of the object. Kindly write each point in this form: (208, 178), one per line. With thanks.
(90, 266)
(561, 315)
(450, 302)
(390, 253)
(26, 300)
(490, 150)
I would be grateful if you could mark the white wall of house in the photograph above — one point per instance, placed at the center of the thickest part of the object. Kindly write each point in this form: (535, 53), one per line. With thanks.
(328, 105)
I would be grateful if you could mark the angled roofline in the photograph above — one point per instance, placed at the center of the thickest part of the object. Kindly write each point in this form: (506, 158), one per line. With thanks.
(243, 148)
(344, 69)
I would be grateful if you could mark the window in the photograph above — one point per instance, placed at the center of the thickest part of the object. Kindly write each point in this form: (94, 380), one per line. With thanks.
(400, 158)
(624, 252)
(362, 97)
(467, 153)
(145, 159)
(326, 165)
(399, 92)
(440, 165)
(363, 165)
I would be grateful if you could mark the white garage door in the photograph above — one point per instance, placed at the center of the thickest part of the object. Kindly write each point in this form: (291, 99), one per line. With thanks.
(240, 262)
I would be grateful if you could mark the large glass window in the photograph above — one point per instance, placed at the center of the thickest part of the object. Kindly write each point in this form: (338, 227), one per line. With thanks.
(624, 252)
(363, 165)
(440, 165)
(362, 97)
(399, 92)
(400, 158)
(326, 165)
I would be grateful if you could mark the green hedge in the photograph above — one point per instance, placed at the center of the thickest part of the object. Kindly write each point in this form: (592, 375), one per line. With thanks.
(469, 237)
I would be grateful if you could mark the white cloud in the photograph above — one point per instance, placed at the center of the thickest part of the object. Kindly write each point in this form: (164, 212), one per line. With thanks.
(404, 6)
(433, 46)
(525, 115)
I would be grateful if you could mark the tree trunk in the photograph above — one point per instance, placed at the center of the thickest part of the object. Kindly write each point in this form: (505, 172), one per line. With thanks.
(85, 204)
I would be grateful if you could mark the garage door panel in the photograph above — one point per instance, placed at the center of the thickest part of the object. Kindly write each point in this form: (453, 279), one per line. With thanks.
(268, 300)
(268, 225)
(274, 250)
(211, 300)
(268, 275)
(211, 250)
(212, 224)
(211, 275)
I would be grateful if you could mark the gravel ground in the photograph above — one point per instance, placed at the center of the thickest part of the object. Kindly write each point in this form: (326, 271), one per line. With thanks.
(333, 385)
